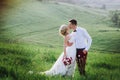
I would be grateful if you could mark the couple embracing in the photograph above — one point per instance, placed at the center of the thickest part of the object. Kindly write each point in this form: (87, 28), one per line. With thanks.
(76, 46)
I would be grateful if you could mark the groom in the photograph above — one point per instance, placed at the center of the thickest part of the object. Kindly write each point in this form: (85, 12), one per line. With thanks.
(83, 42)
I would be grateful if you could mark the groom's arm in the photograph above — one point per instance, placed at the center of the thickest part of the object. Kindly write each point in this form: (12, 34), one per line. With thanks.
(69, 44)
(89, 39)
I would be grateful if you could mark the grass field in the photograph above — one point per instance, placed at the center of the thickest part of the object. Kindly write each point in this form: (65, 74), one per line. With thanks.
(29, 40)
(17, 59)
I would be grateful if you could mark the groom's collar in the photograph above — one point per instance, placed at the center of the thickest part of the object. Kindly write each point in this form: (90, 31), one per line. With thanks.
(75, 29)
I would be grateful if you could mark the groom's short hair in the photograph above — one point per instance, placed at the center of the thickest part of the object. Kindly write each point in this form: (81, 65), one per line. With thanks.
(73, 21)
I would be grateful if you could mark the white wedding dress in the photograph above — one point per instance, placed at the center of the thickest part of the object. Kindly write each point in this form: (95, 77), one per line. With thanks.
(59, 68)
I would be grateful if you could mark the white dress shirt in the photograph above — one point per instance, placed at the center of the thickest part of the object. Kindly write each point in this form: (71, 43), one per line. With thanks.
(82, 39)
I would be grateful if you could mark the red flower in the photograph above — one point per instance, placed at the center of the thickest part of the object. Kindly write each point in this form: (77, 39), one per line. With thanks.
(67, 61)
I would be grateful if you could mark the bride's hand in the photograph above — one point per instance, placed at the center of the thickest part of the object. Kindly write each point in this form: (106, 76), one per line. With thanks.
(64, 56)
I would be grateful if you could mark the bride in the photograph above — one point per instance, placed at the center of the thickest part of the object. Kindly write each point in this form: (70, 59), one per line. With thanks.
(65, 64)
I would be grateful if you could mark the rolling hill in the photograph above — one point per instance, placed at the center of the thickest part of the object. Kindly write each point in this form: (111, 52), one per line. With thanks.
(35, 22)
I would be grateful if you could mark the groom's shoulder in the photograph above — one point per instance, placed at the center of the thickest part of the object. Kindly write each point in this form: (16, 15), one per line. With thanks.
(81, 28)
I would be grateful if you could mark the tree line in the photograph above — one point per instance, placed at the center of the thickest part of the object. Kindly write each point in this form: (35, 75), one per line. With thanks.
(115, 18)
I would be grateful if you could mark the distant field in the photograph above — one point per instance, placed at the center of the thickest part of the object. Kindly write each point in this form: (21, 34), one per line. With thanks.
(29, 33)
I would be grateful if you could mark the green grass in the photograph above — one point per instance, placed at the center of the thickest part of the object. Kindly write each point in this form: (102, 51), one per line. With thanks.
(17, 59)
(29, 40)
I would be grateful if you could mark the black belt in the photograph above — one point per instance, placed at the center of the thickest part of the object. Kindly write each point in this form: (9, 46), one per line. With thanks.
(80, 48)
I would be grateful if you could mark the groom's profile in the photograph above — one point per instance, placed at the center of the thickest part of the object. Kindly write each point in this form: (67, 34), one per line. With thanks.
(83, 42)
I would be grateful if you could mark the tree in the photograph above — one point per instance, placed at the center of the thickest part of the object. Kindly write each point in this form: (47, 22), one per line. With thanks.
(115, 18)
(103, 6)
(40, 0)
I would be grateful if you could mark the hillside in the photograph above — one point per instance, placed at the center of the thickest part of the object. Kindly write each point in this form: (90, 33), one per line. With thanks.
(102, 4)
(35, 22)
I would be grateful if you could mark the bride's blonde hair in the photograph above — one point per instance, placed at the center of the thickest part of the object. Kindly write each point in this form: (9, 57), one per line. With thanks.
(63, 30)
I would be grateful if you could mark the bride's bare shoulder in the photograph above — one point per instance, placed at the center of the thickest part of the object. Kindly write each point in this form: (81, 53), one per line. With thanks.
(67, 37)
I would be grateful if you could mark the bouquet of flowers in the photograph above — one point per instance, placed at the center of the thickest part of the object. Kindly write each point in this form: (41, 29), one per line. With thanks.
(67, 61)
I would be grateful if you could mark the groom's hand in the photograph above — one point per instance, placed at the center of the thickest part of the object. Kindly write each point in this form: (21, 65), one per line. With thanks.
(85, 51)
(69, 44)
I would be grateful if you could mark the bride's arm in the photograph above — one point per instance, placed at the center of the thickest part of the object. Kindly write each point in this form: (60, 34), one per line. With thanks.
(65, 45)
